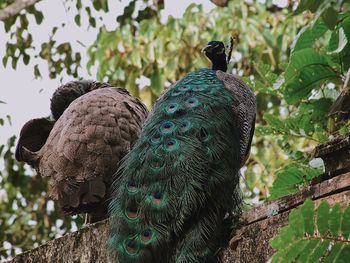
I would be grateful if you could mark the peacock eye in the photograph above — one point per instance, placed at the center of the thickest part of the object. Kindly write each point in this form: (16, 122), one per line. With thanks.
(156, 139)
(167, 127)
(185, 126)
(131, 211)
(158, 195)
(184, 88)
(171, 145)
(156, 164)
(147, 233)
(198, 88)
(175, 93)
(171, 108)
(131, 187)
(131, 246)
(192, 102)
(157, 198)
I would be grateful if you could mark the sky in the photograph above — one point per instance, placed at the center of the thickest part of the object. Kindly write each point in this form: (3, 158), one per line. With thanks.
(28, 98)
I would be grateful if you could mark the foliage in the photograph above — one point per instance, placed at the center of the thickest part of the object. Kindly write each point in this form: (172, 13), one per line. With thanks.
(318, 62)
(314, 233)
(60, 57)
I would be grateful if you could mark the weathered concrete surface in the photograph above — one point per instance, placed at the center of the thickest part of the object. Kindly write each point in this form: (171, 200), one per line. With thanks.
(84, 246)
(249, 243)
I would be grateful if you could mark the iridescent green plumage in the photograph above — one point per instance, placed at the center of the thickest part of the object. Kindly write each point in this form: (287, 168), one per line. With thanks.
(175, 190)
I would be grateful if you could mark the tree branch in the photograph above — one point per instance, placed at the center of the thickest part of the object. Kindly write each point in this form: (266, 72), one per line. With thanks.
(15, 8)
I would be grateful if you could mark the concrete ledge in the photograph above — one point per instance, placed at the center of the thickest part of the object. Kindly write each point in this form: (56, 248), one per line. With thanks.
(249, 243)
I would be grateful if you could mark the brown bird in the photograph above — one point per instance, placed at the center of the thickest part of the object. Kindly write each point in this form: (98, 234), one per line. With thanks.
(94, 126)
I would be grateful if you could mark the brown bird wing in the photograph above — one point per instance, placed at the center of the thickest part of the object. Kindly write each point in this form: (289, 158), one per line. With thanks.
(244, 109)
(86, 144)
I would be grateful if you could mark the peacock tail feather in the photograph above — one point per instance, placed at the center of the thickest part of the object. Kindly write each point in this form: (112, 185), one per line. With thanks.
(174, 190)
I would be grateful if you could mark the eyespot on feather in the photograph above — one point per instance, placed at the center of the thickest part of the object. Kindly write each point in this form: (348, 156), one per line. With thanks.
(171, 108)
(185, 126)
(176, 93)
(184, 88)
(167, 127)
(156, 164)
(156, 139)
(131, 187)
(147, 236)
(131, 210)
(198, 88)
(131, 246)
(157, 198)
(171, 145)
(192, 102)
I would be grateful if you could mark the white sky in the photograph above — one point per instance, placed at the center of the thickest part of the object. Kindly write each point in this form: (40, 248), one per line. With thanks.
(28, 98)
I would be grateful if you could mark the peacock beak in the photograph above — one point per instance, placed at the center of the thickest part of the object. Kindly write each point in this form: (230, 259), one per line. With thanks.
(208, 49)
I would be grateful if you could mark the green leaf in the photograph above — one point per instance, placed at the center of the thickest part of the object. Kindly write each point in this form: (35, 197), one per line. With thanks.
(330, 17)
(322, 217)
(4, 60)
(338, 41)
(285, 237)
(286, 182)
(344, 255)
(92, 22)
(307, 68)
(345, 225)
(307, 211)
(294, 250)
(296, 223)
(39, 17)
(335, 219)
(37, 73)
(303, 59)
(311, 5)
(305, 244)
(131, 84)
(157, 82)
(308, 35)
(77, 19)
(306, 253)
(275, 122)
(334, 253)
(26, 59)
(319, 251)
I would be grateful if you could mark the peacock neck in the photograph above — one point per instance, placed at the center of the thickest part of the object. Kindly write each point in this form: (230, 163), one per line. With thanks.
(220, 63)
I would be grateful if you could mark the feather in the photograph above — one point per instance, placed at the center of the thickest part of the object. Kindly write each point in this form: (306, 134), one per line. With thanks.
(95, 126)
(174, 189)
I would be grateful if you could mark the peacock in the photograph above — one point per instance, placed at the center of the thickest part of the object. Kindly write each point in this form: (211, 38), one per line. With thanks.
(94, 125)
(175, 192)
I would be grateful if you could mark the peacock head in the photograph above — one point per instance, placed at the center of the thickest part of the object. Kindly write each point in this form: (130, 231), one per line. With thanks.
(215, 51)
